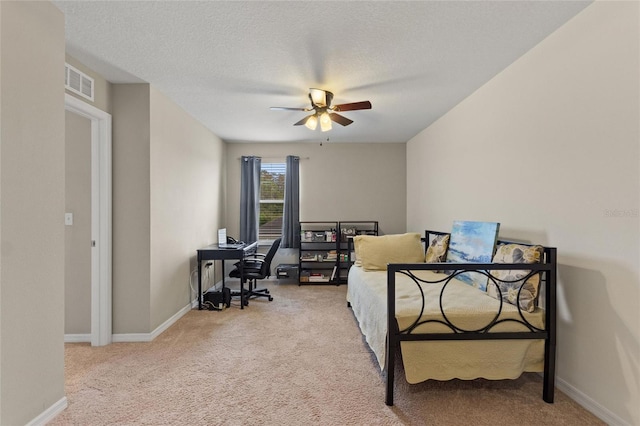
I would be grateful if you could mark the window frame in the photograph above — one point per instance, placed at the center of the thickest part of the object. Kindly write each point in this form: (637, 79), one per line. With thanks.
(278, 167)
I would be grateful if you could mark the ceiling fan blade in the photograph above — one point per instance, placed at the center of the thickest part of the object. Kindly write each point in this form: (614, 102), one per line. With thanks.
(289, 109)
(340, 119)
(352, 106)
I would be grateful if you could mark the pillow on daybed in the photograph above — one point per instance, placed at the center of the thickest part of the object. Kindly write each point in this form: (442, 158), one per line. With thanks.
(375, 252)
(437, 249)
(516, 253)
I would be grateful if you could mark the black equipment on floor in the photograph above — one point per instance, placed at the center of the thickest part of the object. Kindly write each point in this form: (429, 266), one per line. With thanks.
(217, 300)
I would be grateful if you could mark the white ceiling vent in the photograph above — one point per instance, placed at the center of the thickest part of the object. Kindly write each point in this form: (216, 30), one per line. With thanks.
(78, 82)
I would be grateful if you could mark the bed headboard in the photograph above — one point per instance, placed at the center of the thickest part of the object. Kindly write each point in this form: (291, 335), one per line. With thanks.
(548, 258)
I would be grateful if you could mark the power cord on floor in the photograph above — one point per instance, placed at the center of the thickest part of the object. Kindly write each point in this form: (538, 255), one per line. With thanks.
(193, 290)
(206, 278)
(211, 307)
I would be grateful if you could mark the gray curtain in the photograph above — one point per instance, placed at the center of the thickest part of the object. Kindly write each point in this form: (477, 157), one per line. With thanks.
(291, 213)
(249, 199)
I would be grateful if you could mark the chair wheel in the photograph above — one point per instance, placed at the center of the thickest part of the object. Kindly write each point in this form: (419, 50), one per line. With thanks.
(270, 298)
(266, 291)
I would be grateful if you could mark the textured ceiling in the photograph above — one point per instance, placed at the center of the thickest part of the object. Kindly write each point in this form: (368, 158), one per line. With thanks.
(227, 62)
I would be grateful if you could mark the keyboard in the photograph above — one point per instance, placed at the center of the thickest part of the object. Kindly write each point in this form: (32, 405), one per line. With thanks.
(231, 246)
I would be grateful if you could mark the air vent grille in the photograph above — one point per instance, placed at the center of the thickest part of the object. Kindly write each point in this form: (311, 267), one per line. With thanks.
(78, 82)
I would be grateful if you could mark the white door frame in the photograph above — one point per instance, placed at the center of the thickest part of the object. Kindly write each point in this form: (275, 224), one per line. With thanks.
(101, 332)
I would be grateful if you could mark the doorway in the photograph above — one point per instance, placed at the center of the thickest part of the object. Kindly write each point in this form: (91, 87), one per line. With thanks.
(100, 243)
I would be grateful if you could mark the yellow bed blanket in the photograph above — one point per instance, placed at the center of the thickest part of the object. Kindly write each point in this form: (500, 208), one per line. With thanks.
(465, 306)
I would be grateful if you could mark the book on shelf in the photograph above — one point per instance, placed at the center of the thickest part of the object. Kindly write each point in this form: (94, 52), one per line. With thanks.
(333, 273)
(317, 278)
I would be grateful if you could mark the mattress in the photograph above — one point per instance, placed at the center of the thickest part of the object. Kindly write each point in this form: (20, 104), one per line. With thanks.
(465, 306)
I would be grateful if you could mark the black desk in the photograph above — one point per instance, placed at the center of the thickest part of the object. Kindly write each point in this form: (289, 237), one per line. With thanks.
(213, 252)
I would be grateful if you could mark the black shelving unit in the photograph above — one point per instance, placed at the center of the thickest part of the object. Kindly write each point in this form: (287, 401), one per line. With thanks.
(318, 255)
(325, 252)
(348, 230)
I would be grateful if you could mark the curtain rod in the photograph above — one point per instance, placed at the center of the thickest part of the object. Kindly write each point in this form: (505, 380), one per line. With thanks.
(275, 158)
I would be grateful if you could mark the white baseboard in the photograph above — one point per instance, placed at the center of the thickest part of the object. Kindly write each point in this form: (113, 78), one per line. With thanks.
(589, 404)
(77, 338)
(50, 413)
(133, 337)
(147, 337)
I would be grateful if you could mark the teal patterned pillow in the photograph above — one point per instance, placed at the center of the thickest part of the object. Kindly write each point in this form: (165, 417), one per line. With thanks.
(510, 280)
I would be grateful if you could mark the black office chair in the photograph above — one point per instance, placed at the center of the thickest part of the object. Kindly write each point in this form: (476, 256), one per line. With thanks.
(255, 267)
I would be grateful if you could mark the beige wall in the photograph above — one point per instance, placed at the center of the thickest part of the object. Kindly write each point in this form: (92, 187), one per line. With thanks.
(131, 204)
(77, 289)
(187, 201)
(168, 198)
(549, 148)
(31, 210)
(363, 181)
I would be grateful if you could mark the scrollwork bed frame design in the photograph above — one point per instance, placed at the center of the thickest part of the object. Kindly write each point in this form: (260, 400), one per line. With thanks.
(546, 269)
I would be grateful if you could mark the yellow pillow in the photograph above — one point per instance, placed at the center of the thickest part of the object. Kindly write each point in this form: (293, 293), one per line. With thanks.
(375, 252)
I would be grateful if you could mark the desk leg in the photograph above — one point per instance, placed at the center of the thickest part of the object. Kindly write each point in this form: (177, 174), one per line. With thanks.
(199, 283)
(241, 284)
(222, 264)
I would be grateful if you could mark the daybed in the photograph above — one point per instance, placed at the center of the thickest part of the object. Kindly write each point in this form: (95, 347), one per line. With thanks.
(445, 328)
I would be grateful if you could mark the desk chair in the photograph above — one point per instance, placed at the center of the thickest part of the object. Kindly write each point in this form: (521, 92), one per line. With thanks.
(255, 267)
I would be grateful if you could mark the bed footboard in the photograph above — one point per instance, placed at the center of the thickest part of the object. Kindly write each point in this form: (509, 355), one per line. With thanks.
(395, 335)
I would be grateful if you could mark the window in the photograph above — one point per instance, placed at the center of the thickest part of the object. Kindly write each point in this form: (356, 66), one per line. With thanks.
(271, 200)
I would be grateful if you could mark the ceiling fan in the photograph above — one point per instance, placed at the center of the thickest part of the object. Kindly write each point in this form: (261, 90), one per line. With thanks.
(324, 113)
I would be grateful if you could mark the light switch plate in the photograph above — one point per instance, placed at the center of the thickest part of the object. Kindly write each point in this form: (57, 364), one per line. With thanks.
(68, 219)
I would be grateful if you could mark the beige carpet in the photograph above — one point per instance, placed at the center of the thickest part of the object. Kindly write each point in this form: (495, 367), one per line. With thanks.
(295, 361)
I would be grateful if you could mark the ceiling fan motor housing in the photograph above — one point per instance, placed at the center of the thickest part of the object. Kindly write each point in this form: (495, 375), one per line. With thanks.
(320, 98)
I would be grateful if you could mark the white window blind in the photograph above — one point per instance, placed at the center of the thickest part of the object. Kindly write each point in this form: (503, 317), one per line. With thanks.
(271, 200)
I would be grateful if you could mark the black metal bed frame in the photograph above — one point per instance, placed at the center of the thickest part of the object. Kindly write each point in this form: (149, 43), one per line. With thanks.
(546, 269)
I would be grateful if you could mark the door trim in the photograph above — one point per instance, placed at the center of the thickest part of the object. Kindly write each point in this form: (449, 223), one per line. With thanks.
(101, 234)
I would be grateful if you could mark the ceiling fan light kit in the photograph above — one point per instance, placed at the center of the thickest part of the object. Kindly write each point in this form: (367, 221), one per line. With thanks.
(324, 112)
(325, 121)
(311, 122)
